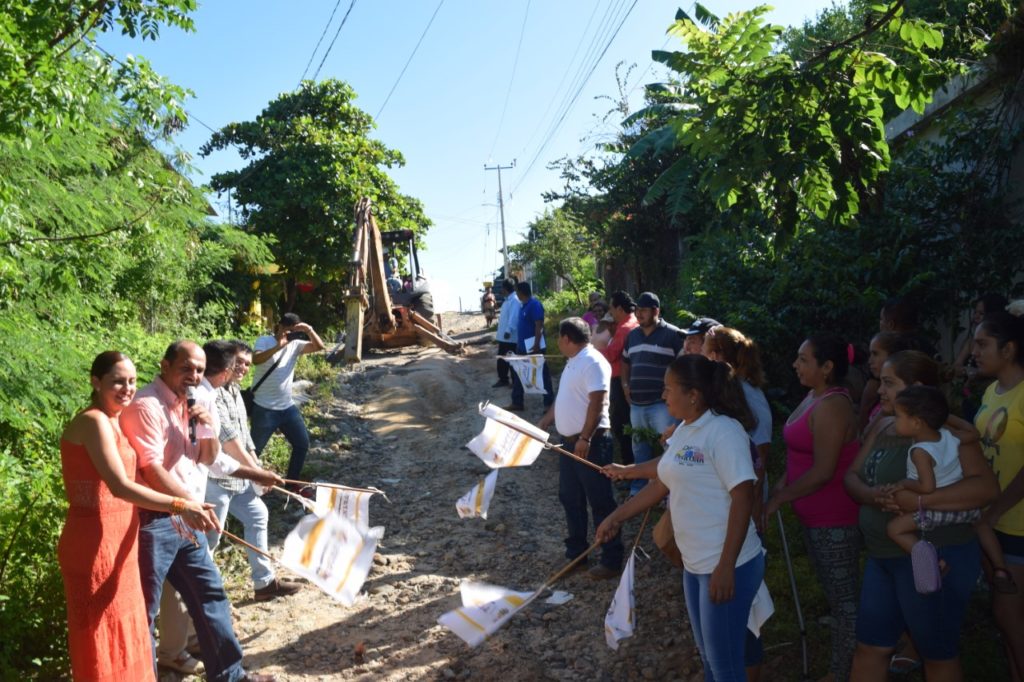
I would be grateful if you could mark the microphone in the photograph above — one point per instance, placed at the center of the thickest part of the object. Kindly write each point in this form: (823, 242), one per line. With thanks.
(190, 399)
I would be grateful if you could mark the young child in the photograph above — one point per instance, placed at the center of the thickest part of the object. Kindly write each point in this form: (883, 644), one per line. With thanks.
(934, 462)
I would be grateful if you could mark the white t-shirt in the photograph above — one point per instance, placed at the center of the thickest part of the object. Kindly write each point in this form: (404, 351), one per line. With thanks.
(584, 373)
(761, 434)
(703, 462)
(276, 392)
(945, 454)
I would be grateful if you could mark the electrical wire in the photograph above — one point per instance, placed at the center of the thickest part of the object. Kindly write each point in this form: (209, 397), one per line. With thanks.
(336, 34)
(409, 61)
(318, 42)
(572, 101)
(511, 80)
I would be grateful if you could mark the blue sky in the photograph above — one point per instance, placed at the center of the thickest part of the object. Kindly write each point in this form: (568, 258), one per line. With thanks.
(448, 114)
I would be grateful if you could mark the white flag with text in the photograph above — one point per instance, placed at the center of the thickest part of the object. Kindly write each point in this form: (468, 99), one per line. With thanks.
(478, 499)
(500, 446)
(354, 505)
(485, 609)
(332, 553)
(529, 369)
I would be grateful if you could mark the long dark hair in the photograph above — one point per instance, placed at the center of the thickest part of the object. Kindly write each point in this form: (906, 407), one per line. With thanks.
(914, 367)
(717, 383)
(1005, 328)
(826, 347)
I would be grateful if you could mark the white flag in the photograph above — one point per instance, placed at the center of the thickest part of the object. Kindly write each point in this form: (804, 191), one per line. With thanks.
(761, 610)
(478, 499)
(529, 368)
(354, 505)
(499, 446)
(332, 553)
(474, 621)
(620, 621)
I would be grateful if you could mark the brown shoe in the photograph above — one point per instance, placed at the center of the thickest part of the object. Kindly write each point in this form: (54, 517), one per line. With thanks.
(602, 572)
(276, 589)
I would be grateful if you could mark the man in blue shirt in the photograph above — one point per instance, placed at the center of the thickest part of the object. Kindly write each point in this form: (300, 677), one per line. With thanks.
(649, 350)
(531, 328)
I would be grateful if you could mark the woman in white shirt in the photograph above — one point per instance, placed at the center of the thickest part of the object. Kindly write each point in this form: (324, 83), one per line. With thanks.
(708, 470)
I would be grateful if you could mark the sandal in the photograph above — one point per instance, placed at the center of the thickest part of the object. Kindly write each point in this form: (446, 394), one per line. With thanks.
(1003, 582)
(903, 665)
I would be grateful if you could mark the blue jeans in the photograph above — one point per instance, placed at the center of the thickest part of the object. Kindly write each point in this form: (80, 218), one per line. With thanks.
(291, 425)
(519, 393)
(579, 485)
(720, 630)
(889, 604)
(190, 569)
(248, 508)
(654, 417)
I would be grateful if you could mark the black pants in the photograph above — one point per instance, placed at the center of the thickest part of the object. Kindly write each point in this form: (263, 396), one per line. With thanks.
(618, 411)
(579, 486)
(503, 367)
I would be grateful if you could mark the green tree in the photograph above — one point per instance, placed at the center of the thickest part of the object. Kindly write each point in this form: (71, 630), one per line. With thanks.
(50, 71)
(309, 160)
(779, 140)
(557, 245)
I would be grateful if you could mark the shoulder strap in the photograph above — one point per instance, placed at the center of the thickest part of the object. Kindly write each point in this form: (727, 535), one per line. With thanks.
(269, 371)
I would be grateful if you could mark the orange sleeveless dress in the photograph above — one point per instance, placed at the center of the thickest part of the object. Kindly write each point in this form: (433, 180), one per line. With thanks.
(108, 632)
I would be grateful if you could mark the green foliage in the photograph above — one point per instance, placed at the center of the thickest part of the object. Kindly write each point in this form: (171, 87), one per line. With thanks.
(557, 245)
(48, 77)
(776, 141)
(310, 159)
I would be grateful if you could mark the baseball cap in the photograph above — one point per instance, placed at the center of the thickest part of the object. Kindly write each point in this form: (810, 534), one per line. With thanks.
(702, 325)
(648, 300)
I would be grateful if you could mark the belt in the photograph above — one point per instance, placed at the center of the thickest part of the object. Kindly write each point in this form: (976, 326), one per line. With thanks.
(597, 434)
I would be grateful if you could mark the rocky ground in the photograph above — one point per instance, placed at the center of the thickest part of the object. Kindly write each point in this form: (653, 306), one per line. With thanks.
(399, 421)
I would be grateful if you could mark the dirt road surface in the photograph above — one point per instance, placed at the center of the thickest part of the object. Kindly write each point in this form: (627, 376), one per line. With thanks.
(400, 421)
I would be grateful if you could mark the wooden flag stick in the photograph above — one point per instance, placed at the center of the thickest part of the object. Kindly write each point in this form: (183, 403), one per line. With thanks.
(252, 547)
(531, 355)
(640, 533)
(550, 446)
(568, 567)
(302, 500)
(334, 485)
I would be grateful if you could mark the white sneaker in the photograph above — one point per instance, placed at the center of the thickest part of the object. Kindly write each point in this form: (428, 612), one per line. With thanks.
(184, 663)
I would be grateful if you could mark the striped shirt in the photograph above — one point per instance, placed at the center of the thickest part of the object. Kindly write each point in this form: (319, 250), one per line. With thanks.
(234, 423)
(648, 356)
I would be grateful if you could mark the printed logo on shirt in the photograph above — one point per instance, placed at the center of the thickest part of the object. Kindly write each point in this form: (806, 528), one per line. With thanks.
(689, 456)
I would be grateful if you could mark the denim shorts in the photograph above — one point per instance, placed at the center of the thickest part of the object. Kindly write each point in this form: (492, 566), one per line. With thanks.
(889, 604)
(1012, 546)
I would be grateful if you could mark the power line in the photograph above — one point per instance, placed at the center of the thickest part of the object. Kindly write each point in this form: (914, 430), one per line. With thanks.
(409, 61)
(575, 97)
(579, 79)
(336, 34)
(511, 80)
(318, 42)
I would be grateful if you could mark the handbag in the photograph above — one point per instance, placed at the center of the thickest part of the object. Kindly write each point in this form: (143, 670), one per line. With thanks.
(249, 394)
(665, 538)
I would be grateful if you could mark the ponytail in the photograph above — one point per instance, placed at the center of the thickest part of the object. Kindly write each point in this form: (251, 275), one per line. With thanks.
(717, 383)
(739, 351)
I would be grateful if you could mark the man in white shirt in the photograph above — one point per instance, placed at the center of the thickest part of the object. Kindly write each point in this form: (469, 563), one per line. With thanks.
(580, 415)
(508, 330)
(273, 408)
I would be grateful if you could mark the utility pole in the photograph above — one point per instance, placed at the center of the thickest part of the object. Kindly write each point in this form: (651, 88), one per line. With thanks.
(501, 211)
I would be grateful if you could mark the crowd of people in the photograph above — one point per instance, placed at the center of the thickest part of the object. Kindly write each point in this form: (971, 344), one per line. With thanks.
(882, 469)
(150, 476)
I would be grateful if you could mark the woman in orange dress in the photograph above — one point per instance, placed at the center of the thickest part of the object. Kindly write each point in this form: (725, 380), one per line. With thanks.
(108, 632)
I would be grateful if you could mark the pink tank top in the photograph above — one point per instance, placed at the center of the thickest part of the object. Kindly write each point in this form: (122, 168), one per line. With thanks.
(829, 505)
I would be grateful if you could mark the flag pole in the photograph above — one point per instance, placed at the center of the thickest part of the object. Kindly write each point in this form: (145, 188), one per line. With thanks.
(549, 445)
(302, 500)
(640, 533)
(252, 547)
(314, 484)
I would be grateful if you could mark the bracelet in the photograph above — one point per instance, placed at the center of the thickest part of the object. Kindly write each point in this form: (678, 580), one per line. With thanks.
(177, 505)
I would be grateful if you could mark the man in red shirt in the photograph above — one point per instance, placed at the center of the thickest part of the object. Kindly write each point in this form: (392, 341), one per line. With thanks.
(621, 307)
